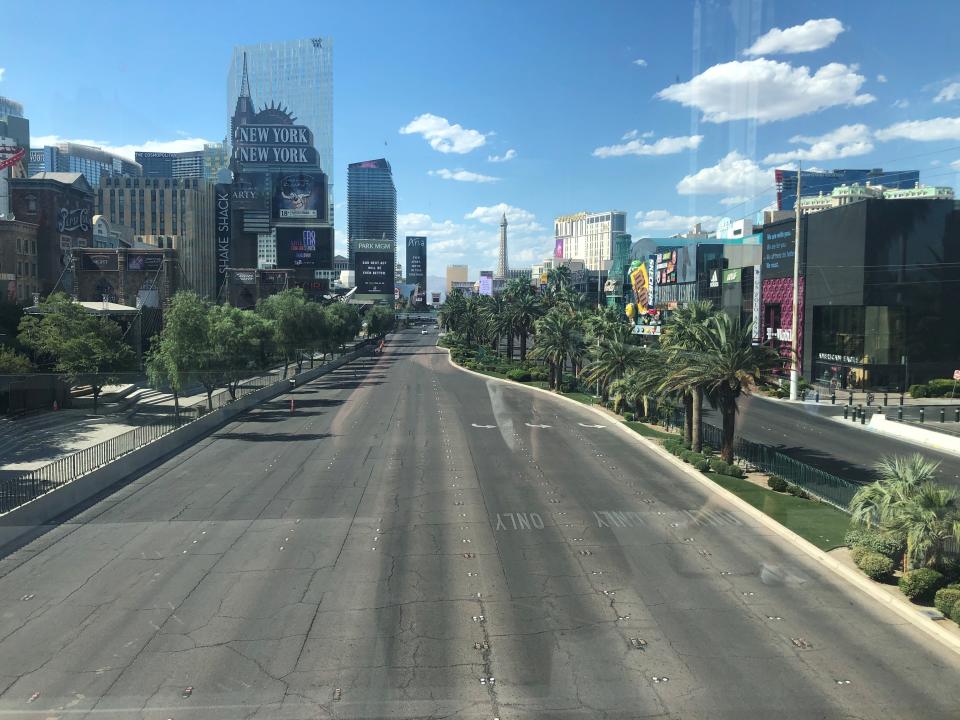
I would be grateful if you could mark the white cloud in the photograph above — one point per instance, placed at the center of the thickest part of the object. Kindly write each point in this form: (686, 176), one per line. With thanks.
(462, 175)
(734, 174)
(955, 164)
(630, 135)
(902, 103)
(127, 151)
(423, 224)
(663, 146)
(2, 71)
(491, 215)
(812, 35)
(443, 136)
(881, 78)
(935, 163)
(640, 62)
(734, 200)
(767, 90)
(845, 141)
(340, 246)
(941, 128)
(507, 156)
(948, 93)
(663, 221)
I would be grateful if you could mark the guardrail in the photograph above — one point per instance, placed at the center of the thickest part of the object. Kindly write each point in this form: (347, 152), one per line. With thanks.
(31, 484)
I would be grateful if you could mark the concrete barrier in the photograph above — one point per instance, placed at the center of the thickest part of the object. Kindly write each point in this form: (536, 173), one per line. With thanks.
(912, 433)
(31, 516)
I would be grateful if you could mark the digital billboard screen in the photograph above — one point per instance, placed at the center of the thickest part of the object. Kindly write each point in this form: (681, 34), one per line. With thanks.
(778, 250)
(300, 195)
(98, 261)
(305, 247)
(417, 260)
(145, 262)
(373, 262)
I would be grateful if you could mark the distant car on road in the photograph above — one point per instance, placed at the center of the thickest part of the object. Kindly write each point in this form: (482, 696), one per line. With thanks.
(423, 332)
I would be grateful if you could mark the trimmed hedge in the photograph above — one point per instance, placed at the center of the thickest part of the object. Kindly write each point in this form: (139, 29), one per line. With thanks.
(702, 465)
(775, 482)
(798, 491)
(946, 599)
(920, 585)
(629, 416)
(876, 566)
(518, 374)
(857, 552)
(884, 543)
(955, 613)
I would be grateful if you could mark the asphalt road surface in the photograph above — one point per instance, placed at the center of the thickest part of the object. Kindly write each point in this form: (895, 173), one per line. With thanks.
(419, 542)
(806, 433)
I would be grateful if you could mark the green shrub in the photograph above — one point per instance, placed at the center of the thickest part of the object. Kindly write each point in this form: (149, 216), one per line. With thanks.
(945, 599)
(941, 388)
(876, 566)
(798, 491)
(857, 552)
(955, 613)
(686, 444)
(707, 450)
(702, 465)
(884, 543)
(718, 466)
(918, 391)
(695, 457)
(629, 416)
(920, 585)
(518, 374)
(735, 471)
(775, 482)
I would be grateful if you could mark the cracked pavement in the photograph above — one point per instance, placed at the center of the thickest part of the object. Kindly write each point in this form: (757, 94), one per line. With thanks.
(377, 555)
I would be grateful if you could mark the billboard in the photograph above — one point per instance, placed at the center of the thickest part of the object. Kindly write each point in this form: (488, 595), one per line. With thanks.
(269, 143)
(486, 282)
(251, 191)
(145, 262)
(305, 247)
(373, 262)
(98, 262)
(558, 247)
(778, 250)
(223, 232)
(435, 297)
(300, 195)
(417, 260)
(666, 261)
(651, 278)
(640, 282)
(731, 276)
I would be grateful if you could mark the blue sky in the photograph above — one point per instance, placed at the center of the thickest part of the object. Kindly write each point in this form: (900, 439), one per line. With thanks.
(671, 111)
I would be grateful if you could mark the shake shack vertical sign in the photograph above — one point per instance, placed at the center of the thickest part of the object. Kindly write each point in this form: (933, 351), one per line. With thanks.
(223, 232)
(274, 145)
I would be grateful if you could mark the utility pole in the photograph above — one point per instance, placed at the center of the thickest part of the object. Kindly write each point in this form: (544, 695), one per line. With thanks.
(794, 346)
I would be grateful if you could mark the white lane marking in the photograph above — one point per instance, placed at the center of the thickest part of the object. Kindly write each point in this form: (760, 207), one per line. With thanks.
(537, 426)
(590, 426)
(485, 427)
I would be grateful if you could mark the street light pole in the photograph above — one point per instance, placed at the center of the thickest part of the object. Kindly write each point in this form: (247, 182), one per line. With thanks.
(794, 350)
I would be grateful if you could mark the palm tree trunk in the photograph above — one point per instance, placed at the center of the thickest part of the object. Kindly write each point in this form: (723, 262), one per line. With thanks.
(728, 410)
(646, 406)
(688, 417)
(696, 407)
(510, 346)
(560, 375)
(523, 346)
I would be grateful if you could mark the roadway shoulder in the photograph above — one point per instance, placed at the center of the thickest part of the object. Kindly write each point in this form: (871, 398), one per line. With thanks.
(861, 582)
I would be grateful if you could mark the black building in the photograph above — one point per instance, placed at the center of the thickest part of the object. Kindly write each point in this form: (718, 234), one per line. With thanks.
(882, 293)
(155, 164)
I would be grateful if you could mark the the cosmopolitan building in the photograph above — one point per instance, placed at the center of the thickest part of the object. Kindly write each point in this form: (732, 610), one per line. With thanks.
(371, 203)
(297, 73)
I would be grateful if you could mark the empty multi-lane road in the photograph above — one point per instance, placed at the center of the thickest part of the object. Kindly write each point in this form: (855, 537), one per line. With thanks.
(415, 541)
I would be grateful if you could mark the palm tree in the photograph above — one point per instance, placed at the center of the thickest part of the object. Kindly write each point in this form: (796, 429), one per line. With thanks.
(611, 361)
(725, 366)
(682, 334)
(524, 311)
(495, 313)
(513, 291)
(559, 338)
(902, 501)
(559, 278)
(637, 387)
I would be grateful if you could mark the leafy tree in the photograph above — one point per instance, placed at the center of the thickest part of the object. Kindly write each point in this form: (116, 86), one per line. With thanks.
(380, 320)
(236, 337)
(524, 312)
(13, 363)
(559, 338)
(288, 319)
(343, 324)
(726, 365)
(611, 361)
(77, 343)
(499, 321)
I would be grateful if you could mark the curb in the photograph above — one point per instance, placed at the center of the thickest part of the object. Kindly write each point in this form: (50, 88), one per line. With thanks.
(861, 582)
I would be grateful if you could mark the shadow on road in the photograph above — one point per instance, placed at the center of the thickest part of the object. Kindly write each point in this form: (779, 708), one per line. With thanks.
(272, 437)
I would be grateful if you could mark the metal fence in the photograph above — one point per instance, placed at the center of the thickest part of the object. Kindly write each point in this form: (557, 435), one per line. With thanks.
(830, 488)
(31, 484)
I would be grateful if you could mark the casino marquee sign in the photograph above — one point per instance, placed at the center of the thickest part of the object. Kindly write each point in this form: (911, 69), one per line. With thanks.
(269, 137)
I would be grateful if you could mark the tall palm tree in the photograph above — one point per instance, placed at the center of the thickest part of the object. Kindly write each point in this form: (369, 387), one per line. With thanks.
(559, 338)
(726, 365)
(495, 313)
(524, 311)
(559, 278)
(682, 334)
(513, 291)
(611, 361)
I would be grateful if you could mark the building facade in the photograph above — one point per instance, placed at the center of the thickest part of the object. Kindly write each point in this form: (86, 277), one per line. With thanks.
(815, 182)
(371, 203)
(19, 277)
(167, 213)
(455, 274)
(15, 142)
(300, 74)
(588, 237)
(61, 205)
(92, 161)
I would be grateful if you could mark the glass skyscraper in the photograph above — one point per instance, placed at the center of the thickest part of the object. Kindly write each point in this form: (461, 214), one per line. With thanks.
(297, 75)
(371, 203)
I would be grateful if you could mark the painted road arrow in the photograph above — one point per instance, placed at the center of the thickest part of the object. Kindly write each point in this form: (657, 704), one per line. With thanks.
(537, 426)
(486, 427)
(590, 426)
